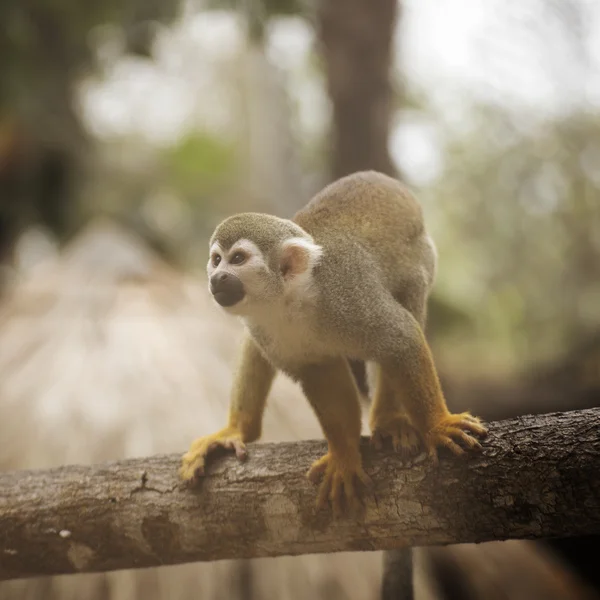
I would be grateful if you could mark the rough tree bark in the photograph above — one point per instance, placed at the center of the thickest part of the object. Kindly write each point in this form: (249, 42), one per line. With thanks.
(537, 477)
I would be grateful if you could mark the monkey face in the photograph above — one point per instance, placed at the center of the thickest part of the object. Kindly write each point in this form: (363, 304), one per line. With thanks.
(259, 262)
(240, 279)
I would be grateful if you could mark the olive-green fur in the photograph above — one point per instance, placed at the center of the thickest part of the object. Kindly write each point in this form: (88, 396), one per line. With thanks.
(365, 299)
(266, 231)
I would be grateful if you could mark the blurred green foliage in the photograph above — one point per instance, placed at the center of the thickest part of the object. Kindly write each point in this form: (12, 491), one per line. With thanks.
(48, 38)
(199, 162)
(519, 232)
(515, 210)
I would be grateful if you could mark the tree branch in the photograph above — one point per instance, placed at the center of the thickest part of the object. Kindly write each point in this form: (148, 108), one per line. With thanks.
(538, 477)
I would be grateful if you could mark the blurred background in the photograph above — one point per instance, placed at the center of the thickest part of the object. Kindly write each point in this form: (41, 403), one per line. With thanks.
(129, 128)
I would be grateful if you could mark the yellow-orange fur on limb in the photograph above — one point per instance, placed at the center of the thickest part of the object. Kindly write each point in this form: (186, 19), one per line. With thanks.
(105, 354)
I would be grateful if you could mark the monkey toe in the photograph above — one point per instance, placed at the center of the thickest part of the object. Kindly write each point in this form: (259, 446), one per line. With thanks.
(353, 500)
(194, 461)
(238, 446)
(325, 490)
(317, 469)
(340, 491)
(336, 494)
(192, 468)
(377, 439)
(468, 440)
(449, 443)
(470, 423)
(338, 485)
(407, 443)
(476, 427)
(404, 437)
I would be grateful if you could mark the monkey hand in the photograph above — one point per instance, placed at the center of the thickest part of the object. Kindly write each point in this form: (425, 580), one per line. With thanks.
(192, 464)
(339, 475)
(452, 429)
(397, 427)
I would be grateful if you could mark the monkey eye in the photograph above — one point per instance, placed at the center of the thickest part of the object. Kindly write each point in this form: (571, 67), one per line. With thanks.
(238, 258)
(216, 259)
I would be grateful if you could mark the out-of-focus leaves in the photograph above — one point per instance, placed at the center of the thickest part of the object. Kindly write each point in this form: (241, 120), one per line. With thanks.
(268, 7)
(445, 317)
(258, 12)
(46, 46)
(521, 236)
(46, 42)
(199, 161)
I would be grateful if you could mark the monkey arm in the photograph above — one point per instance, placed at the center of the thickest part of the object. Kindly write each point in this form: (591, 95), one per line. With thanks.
(251, 387)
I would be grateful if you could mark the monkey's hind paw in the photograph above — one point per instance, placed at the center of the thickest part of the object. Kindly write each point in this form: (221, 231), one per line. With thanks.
(452, 429)
(405, 438)
(193, 461)
(338, 482)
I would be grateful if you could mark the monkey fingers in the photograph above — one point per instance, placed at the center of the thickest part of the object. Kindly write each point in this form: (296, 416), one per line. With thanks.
(453, 429)
(193, 462)
(318, 468)
(231, 444)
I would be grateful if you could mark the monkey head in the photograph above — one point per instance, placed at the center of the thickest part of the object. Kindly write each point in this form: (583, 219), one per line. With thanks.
(257, 260)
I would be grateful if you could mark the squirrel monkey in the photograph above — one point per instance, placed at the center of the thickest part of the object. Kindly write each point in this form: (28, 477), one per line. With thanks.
(347, 278)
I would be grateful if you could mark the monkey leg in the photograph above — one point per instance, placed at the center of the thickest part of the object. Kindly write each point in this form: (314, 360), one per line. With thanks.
(388, 418)
(406, 362)
(416, 379)
(251, 387)
(332, 393)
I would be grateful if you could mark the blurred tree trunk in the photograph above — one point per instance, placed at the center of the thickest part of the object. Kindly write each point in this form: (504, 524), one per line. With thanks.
(36, 181)
(356, 43)
(45, 48)
(356, 38)
(43, 141)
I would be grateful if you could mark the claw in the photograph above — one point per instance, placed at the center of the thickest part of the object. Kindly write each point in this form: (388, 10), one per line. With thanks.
(240, 450)
(451, 445)
(466, 439)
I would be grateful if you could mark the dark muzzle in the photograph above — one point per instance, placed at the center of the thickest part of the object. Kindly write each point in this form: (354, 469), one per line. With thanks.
(226, 288)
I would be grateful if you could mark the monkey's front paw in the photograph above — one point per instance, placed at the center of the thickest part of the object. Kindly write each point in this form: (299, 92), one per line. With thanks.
(192, 463)
(452, 429)
(338, 482)
(405, 438)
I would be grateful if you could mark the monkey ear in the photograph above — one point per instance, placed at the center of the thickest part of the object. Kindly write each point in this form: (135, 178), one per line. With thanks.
(298, 256)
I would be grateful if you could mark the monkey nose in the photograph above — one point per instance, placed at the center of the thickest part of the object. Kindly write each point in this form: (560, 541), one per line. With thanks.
(226, 288)
(219, 279)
